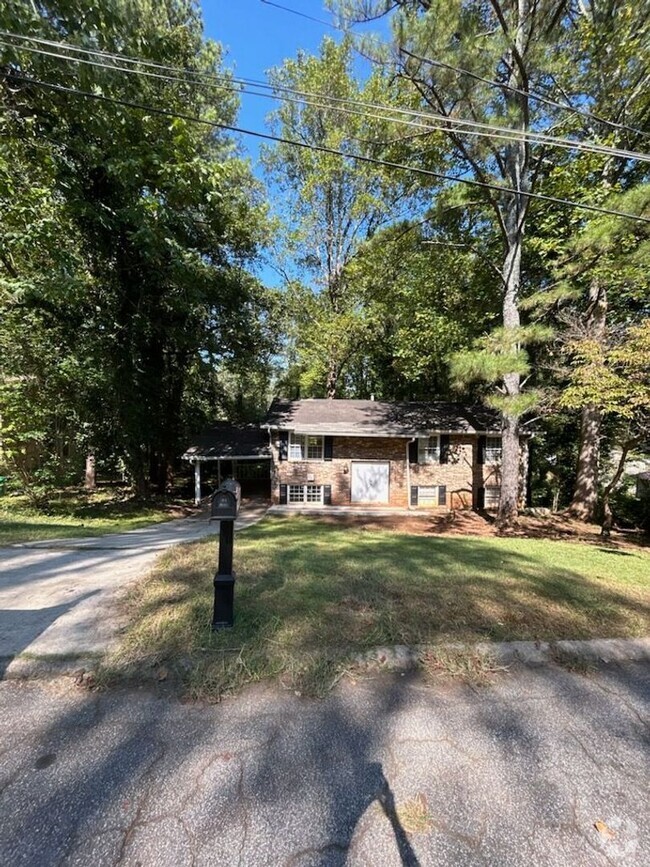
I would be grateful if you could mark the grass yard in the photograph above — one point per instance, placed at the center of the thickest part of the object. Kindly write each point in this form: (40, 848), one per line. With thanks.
(73, 514)
(311, 595)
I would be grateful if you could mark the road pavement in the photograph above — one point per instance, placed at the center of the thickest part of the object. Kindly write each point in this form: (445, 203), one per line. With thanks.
(544, 767)
(55, 596)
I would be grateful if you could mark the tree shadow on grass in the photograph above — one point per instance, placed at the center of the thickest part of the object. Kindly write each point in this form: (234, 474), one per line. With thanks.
(434, 587)
(308, 598)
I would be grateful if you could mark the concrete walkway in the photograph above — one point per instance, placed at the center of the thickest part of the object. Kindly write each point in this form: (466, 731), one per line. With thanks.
(55, 595)
(543, 768)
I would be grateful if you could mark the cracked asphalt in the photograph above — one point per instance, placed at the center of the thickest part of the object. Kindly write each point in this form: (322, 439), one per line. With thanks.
(517, 773)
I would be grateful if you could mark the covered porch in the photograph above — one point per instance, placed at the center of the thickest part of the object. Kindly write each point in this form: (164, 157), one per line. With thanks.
(226, 450)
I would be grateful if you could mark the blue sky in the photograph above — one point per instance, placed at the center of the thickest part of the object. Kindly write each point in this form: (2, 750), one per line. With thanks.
(259, 37)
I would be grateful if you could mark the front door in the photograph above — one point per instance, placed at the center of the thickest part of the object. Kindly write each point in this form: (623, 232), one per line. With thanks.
(370, 481)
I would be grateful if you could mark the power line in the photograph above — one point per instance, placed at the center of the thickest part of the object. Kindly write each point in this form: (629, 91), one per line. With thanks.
(503, 133)
(323, 149)
(457, 125)
(530, 94)
(499, 131)
(537, 97)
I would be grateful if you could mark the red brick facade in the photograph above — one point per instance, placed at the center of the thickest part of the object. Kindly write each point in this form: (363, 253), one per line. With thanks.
(461, 474)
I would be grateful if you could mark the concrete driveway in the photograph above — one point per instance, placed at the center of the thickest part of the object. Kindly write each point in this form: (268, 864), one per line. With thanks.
(55, 596)
(381, 774)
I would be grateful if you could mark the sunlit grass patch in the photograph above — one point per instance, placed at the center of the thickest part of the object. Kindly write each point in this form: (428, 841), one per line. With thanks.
(311, 596)
(73, 513)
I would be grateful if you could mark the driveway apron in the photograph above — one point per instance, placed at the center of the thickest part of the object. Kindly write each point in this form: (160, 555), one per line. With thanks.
(55, 596)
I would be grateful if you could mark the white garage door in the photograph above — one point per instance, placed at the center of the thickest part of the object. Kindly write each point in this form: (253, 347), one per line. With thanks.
(369, 482)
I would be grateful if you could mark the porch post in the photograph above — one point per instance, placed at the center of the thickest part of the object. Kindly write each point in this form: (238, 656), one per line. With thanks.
(197, 483)
(218, 472)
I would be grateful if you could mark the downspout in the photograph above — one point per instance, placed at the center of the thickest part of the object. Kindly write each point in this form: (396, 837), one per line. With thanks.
(408, 473)
(267, 428)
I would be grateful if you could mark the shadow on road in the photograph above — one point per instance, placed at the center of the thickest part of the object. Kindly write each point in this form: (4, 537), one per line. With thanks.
(25, 625)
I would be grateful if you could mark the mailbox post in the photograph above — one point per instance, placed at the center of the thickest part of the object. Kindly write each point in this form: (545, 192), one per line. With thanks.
(225, 508)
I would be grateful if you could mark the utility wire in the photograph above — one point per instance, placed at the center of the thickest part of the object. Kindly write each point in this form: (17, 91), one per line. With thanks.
(503, 133)
(537, 97)
(323, 149)
(451, 124)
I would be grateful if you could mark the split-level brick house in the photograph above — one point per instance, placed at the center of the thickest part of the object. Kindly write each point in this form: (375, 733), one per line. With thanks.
(375, 453)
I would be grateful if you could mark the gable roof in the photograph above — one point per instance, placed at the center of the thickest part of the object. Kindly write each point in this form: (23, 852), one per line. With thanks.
(379, 418)
(225, 440)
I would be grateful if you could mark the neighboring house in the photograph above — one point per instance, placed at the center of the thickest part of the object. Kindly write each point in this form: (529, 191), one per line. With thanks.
(376, 453)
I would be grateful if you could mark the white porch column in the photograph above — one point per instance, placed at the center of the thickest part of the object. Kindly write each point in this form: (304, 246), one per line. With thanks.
(197, 482)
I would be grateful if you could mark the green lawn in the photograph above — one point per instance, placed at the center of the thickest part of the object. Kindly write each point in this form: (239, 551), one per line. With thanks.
(72, 514)
(310, 594)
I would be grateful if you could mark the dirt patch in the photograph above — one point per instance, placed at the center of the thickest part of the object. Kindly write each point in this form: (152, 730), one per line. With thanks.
(467, 523)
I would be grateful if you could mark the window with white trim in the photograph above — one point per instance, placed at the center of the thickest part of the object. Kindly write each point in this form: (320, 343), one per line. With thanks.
(303, 447)
(492, 450)
(429, 450)
(492, 496)
(427, 495)
(306, 494)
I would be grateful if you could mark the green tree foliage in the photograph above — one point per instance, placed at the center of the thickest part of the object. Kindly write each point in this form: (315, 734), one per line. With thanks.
(488, 62)
(425, 294)
(126, 245)
(331, 205)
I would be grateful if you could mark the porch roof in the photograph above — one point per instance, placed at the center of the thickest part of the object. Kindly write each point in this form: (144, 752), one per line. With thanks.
(225, 441)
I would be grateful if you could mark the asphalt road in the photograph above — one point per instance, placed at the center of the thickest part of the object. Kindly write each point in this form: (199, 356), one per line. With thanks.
(55, 597)
(518, 773)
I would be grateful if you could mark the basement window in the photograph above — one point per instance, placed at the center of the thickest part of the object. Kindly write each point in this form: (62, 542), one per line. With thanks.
(492, 496)
(427, 495)
(306, 494)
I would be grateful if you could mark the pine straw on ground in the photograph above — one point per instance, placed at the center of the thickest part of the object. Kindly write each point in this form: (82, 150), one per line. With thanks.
(469, 523)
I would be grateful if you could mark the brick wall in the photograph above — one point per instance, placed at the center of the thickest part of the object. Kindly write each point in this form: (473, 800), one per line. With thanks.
(456, 474)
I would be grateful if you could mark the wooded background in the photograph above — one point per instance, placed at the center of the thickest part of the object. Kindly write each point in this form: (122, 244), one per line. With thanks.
(469, 220)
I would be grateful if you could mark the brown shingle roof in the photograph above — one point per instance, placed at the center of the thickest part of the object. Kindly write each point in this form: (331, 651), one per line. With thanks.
(379, 418)
(225, 440)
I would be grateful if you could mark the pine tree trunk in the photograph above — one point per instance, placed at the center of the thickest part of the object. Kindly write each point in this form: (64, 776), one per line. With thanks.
(509, 500)
(585, 497)
(513, 209)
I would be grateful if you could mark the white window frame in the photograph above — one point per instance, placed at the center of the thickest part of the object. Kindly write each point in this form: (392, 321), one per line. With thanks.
(299, 494)
(428, 500)
(428, 453)
(302, 442)
(492, 502)
(493, 452)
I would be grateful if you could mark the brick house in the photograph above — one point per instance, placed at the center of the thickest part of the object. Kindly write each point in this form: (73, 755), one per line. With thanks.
(368, 453)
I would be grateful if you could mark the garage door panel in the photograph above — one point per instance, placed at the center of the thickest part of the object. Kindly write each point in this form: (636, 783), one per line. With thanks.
(370, 482)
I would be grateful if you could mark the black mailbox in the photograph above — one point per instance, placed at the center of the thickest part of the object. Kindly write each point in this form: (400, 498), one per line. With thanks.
(225, 508)
(225, 501)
